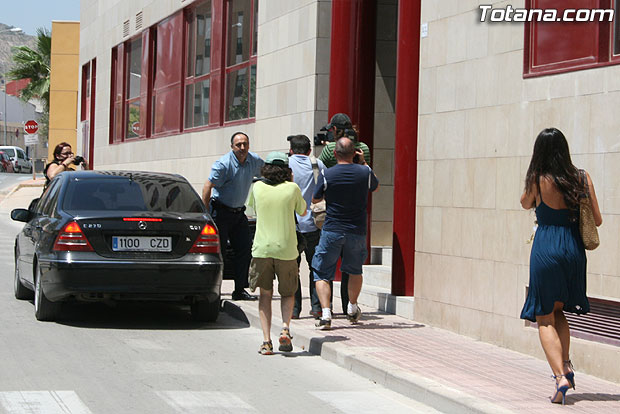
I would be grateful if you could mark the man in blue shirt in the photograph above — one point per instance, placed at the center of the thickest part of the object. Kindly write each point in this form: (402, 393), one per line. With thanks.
(345, 188)
(225, 192)
(306, 176)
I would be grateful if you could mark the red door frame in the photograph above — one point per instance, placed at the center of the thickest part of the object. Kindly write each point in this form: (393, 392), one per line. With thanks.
(406, 145)
(91, 122)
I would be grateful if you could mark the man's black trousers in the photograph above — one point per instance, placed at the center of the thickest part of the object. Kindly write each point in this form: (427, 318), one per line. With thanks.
(233, 226)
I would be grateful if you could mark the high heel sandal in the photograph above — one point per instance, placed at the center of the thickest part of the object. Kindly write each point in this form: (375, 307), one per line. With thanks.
(559, 390)
(571, 375)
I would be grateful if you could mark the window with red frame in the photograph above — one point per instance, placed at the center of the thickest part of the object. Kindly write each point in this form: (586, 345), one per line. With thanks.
(116, 101)
(87, 116)
(167, 69)
(241, 44)
(133, 79)
(557, 47)
(198, 65)
(85, 104)
(616, 31)
(201, 60)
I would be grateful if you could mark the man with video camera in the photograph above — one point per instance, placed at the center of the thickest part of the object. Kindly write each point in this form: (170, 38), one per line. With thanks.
(63, 159)
(340, 126)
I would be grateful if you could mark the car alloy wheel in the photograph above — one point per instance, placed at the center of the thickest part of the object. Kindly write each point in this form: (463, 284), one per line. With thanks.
(21, 292)
(44, 310)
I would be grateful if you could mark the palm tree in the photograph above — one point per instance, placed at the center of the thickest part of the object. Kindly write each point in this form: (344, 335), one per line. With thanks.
(34, 65)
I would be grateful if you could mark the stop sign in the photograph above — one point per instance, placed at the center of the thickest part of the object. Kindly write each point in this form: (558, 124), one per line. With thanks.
(31, 127)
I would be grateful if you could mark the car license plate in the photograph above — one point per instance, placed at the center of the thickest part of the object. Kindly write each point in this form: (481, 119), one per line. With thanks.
(141, 244)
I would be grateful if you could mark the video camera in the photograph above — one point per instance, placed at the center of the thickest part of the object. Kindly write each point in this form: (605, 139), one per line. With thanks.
(78, 159)
(324, 136)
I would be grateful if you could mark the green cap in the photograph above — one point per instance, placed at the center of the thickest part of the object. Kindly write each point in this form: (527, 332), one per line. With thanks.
(276, 158)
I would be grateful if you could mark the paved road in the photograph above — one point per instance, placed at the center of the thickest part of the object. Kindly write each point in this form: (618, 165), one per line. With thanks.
(152, 359)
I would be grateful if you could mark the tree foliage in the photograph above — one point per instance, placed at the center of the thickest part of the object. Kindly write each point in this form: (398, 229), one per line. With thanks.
(34, 64)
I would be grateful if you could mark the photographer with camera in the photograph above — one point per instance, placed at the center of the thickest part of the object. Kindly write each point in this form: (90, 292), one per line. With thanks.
(63, 159)
(341, 126)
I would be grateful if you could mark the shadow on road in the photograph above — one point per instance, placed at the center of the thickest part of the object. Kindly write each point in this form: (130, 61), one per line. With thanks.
(139, 315)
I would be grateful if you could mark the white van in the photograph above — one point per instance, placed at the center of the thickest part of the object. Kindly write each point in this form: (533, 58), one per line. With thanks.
(21, 162)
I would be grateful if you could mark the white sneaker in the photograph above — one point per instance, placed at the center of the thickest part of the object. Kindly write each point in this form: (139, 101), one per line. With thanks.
(324, 324)
(355, 316)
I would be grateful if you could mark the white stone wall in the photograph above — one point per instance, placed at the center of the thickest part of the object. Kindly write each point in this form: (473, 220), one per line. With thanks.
(293, 70)
(292, 81)
(477, 125)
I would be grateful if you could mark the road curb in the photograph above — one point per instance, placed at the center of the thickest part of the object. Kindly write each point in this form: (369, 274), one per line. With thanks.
(417, 387)
(24, 185)
(19, 186)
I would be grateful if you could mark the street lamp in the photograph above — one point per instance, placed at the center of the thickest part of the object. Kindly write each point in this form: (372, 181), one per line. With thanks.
(15, 30)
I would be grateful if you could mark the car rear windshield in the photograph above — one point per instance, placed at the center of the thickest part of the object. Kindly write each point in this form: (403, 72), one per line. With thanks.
(131, 194)
(9, 151)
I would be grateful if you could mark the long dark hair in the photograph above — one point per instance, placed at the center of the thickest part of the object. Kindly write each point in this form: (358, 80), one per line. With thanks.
(551, 158)
(277, 174)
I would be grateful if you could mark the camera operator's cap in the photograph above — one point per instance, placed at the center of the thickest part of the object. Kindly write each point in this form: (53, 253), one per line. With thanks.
(276, 158)
(340, 121)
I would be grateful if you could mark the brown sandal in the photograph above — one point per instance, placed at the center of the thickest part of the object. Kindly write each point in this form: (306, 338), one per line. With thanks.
(266, 348)
(286, 344)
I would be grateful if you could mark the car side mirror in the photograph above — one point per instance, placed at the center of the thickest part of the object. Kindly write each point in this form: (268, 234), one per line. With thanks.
(20, 214)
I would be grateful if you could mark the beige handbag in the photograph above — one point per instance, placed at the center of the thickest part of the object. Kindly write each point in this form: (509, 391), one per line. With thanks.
(319, 209)
(318, 213)
(587, 227)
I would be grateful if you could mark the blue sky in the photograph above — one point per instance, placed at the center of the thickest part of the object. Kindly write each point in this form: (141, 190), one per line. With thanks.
(30, 14)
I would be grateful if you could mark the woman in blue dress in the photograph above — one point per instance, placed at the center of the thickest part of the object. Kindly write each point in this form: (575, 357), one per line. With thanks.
(553, 186)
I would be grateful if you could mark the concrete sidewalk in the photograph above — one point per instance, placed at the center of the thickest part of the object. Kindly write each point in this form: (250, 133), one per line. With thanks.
(21, 195)
(449, 372)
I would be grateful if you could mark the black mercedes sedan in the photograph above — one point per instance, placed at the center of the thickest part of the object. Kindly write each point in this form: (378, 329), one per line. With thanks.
(115, 236)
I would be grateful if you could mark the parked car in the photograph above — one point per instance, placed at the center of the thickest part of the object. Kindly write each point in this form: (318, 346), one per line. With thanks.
(5, 163)
(21, 162)
(118, 235)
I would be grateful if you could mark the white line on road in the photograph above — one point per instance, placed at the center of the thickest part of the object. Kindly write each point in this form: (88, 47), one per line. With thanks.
(42, 402)
(361, 402)
(199, 401)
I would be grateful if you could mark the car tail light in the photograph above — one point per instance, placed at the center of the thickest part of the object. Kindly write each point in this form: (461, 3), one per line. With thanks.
(141, 219)
(207, 242)
(72, 238)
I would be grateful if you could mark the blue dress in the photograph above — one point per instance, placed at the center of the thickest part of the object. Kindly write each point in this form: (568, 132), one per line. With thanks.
(557, 265)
